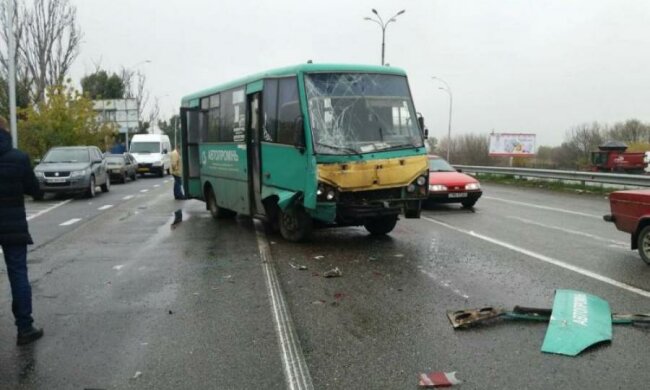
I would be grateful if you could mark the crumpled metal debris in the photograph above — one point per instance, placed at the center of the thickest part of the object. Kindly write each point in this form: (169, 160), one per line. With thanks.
(333, 273)
(438, 379)
(299, 267)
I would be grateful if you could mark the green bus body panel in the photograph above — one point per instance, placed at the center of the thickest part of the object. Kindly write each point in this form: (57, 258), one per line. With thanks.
(192, 100)
(225, 167)
(255, 86)
(325, 212)
(578, 321)
(195, 189)
(284, 167)
(285, 197)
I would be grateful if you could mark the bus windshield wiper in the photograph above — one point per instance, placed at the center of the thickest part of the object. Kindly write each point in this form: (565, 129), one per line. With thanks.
(336, 147)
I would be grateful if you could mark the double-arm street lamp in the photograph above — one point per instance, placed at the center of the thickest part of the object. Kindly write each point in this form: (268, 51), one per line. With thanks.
(377, 19)
(447, 89)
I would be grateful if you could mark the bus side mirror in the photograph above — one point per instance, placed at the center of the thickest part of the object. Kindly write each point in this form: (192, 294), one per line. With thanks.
(425, 131)
(299, 134)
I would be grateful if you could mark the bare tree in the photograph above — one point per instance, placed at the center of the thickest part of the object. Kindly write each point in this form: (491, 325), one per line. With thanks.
(584, 139)
(632, 130)
(154, 113)
(51, 43)
(135, 88)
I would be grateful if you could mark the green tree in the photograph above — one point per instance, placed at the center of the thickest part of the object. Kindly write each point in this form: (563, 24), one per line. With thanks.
(170, 128)
(100, 85)
(65, 118)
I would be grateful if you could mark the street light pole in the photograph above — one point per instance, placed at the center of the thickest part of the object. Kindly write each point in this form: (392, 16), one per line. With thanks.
(126, 135)
(451, 104)
(383, 26)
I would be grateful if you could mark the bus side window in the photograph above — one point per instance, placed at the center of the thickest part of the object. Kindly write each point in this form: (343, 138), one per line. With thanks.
(270, 106)
(288, 110)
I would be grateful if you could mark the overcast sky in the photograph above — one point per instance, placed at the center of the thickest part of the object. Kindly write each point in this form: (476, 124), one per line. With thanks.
(513, 66)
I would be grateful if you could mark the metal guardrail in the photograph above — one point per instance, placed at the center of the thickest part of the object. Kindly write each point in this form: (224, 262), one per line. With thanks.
(580, 176)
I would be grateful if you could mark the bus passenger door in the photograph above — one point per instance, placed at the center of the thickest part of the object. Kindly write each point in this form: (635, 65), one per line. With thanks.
(254, 129)
(190, 126)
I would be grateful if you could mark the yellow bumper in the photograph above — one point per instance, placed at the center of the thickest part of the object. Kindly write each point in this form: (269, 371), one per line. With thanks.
(374, 174)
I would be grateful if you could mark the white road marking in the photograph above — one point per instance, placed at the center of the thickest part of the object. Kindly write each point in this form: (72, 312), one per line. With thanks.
(445, 283)
(118, 267)
(156, 185)
(47, 210)
(70, 222)
(576, 232)
(296, 372)
(127, 197)
(547, 259)
(105, 207)
(536, 206)
(145, 190)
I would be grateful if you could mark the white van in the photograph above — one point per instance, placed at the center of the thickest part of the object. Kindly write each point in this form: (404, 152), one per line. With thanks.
(151, 151)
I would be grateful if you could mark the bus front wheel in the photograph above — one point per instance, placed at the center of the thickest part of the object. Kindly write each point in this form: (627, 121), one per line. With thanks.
(295, 224)
(216, 211)
(381, 225)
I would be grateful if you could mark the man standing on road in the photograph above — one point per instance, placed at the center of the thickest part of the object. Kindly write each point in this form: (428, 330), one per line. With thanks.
(17, 179)
(177, 172)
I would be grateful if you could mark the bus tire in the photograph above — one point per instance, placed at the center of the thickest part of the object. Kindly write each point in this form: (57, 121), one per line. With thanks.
(295, 224)
(381, 225)
(216, 211)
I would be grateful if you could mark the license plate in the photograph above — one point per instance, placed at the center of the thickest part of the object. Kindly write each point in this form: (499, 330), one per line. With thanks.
(56, 180)
(458, 195)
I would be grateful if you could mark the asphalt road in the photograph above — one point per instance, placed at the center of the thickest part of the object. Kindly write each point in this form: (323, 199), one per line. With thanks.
(129, 302)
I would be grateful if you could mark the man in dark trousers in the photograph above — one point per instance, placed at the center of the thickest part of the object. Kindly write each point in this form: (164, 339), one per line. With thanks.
(17, 179)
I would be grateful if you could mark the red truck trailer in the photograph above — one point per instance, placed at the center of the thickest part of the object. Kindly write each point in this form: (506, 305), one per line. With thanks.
(612, 157)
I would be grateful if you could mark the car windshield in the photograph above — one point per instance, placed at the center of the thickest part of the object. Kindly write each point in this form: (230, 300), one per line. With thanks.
(439, 165)
(145, 147)
(115, 160)
(67, 155)
(361, 113)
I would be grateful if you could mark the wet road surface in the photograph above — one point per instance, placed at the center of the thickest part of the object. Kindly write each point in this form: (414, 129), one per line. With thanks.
(128, 302)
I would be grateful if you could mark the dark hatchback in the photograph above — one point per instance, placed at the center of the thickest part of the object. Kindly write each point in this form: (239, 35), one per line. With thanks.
(121, 167)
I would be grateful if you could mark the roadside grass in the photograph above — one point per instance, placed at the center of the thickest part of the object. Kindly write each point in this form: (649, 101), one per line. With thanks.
(548, 184)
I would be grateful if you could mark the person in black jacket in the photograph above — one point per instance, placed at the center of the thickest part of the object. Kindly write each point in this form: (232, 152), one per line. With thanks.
(17, 179)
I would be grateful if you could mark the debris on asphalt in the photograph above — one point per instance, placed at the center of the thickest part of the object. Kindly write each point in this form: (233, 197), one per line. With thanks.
(339, 295)
(319, 302)
(137, 375)
(195, 293)
(438, 379)
(377, 273)
(319, 257)
(171, 312)
(372, 258)
(399, 255)
(315, 274)
(299, 267)
(272, 242)
(333, 273)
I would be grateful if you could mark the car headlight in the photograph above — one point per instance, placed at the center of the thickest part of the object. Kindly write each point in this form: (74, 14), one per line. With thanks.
(39, 174)
(78, 173)
(437, 187)
(472, 186)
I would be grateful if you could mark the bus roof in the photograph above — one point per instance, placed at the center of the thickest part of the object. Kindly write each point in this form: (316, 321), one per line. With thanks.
(292, 70)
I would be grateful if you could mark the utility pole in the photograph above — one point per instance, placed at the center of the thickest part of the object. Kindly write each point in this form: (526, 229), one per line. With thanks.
(12, 73)
(451, 104)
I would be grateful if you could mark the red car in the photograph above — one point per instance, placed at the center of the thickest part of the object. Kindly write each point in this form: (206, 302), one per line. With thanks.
(631, 214)
(448, 185)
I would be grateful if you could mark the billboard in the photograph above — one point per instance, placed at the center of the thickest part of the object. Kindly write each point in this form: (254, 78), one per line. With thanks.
(512, 145)
(123, 112)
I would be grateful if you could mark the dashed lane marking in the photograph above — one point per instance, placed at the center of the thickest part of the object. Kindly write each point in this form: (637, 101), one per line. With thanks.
(156, 185)
(47, 210)
(296, 372)
(536, 206)
(127, 197)
(145, 190)
(70, 222)
(570, 231)
(546, 259)
(105, 207)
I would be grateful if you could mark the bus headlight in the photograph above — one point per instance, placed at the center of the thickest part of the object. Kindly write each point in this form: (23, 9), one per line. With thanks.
(421, 180)
(410, 188)
(330, 195)
(325, 192)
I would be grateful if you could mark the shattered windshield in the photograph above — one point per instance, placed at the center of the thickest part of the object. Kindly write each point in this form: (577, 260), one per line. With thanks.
(355, 113)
